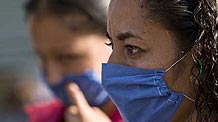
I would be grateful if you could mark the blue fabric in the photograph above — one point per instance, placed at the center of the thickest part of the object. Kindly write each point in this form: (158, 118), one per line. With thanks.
(89, 85)
(141, 95)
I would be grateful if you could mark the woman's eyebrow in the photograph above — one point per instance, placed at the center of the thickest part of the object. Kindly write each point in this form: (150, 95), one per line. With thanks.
(126, 35)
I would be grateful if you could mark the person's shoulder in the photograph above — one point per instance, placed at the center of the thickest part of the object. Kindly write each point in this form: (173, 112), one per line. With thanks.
(51, 111)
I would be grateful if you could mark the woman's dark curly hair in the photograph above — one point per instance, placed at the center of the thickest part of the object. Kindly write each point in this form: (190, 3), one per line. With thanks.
(194, 23)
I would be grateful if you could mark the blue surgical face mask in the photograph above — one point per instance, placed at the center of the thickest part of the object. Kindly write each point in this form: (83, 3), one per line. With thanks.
(89, 85)
(141, 95)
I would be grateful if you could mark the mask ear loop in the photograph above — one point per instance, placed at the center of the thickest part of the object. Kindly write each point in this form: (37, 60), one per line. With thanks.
(189, 98)
(176, 62)
(200, 74)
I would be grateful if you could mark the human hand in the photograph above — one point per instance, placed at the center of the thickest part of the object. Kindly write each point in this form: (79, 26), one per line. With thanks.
(81, 111)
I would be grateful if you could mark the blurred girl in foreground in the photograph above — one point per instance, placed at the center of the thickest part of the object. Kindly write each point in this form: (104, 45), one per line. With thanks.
(68, 37)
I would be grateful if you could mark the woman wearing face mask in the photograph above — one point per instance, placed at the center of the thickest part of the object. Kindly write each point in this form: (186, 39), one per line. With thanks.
(68, 37)
(163, 67)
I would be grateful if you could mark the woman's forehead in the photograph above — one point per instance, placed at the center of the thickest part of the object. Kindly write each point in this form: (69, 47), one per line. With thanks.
(127, 17)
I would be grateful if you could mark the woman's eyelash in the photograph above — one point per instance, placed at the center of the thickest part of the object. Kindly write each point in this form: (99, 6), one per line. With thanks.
(133, 47)
(109, 44)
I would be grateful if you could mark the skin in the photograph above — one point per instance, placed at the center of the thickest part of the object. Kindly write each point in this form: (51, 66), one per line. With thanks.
(63, 50)
(81, 111)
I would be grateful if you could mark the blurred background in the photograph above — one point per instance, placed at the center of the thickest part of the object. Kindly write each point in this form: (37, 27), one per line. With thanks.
(20, 78)
(17, 63)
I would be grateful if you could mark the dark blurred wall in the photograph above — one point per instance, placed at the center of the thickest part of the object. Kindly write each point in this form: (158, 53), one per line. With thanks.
(16, 58)
(15, 50)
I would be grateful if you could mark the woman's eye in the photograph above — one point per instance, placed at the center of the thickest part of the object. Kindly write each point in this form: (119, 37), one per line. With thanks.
(132, 50)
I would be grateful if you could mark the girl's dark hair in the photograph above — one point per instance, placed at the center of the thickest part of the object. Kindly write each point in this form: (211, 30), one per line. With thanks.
(94, 9)
(194, 23)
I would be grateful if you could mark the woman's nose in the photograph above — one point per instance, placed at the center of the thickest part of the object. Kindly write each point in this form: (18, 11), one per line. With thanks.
(115, 59)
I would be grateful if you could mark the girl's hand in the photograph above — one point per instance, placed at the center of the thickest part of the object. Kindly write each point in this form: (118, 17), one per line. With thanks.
(81, 111)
